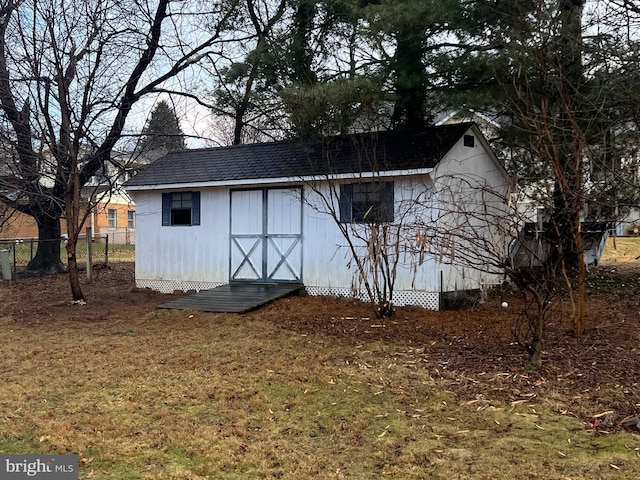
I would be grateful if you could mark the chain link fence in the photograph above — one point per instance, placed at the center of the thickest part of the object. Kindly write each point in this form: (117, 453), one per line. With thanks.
(15, 254)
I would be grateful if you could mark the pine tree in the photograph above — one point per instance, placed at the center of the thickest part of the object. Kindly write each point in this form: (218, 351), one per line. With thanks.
(161, 134)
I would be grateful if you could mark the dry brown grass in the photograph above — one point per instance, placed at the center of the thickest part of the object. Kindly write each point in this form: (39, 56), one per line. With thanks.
(623, 251)
(312, 388)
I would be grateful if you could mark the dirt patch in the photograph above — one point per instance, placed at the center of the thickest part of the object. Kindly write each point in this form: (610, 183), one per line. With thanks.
(470, 350)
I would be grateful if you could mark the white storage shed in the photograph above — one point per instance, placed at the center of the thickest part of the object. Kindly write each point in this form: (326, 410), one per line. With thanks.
(272, 212)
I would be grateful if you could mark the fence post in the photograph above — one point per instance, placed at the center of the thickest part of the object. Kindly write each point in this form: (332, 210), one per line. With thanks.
(89, 255)
(106, 249)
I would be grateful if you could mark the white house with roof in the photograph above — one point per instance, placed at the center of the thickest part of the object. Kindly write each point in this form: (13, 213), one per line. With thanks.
(272, 212)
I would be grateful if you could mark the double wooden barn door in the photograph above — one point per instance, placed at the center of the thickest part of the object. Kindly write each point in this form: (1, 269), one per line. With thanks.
(266, 235)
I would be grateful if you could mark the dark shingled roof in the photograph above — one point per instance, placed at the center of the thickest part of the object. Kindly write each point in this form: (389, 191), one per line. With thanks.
(357, 153)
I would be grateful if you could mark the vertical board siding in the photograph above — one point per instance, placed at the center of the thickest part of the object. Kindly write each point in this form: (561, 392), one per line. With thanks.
(480, 172)
(284, 214)
(205, 253)
(327, 255)
(246, 259)
(197, 253)
(247, 212)
(266, 229)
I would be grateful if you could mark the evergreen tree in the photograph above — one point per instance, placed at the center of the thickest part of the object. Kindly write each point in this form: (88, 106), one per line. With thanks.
(162, 133)
(370, 69)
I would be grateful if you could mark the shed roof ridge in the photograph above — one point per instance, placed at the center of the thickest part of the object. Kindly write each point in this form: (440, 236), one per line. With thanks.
(310, 141)
(383, 150)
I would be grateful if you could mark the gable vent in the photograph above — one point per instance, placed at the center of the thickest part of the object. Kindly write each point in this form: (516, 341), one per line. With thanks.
(469, 141)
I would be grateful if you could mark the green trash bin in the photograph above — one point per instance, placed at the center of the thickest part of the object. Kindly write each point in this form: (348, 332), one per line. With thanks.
(5, 264)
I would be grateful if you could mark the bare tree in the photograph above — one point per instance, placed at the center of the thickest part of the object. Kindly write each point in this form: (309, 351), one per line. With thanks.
(483, 228)
(472, 223)
(402, 224)
(70, 75)
(549, 63)
(373, 242)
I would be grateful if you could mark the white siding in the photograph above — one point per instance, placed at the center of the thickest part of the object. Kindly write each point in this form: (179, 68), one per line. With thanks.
(197, 254)
(327, 253)
(246, 219)
(324, 263)
(468, 180)
(284, 227)
(284, 213)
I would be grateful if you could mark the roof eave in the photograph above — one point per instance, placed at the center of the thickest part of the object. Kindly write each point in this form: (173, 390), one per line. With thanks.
(283, 180)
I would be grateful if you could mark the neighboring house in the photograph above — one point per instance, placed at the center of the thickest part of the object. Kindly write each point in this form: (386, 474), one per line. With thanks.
(113, 212)
(630, 224)
(487, 123)
(113, 215)
(533, 248)
(255, 212)
(14, 224)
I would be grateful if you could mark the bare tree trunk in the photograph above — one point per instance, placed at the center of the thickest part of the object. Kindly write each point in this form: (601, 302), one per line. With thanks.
(81, 92)
(571, 147)
(578, 318)
(536, 287)
(47, 259)
(74, 276)
(74, 226)
(538, 338)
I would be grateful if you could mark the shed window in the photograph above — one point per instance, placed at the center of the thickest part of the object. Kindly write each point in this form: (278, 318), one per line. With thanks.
(366, 202)
(181, 208)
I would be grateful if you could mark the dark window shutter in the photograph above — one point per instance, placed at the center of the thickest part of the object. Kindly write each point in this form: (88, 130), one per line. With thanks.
(346, 194)
(386, 202)
(195, 208)
(166, 209)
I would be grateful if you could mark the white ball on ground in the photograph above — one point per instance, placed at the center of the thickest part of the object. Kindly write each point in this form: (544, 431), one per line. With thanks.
(505, 304)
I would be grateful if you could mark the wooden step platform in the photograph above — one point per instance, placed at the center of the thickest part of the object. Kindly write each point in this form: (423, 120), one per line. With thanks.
(234, 297)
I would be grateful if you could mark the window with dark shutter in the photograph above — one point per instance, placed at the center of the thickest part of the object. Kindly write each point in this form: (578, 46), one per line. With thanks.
(195, 208)
(181, 208)
(131, 224)
(366, 202)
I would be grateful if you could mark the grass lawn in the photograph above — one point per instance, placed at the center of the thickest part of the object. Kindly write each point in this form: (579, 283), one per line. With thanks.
(121, 252)
(142, 393)
(175, 396)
